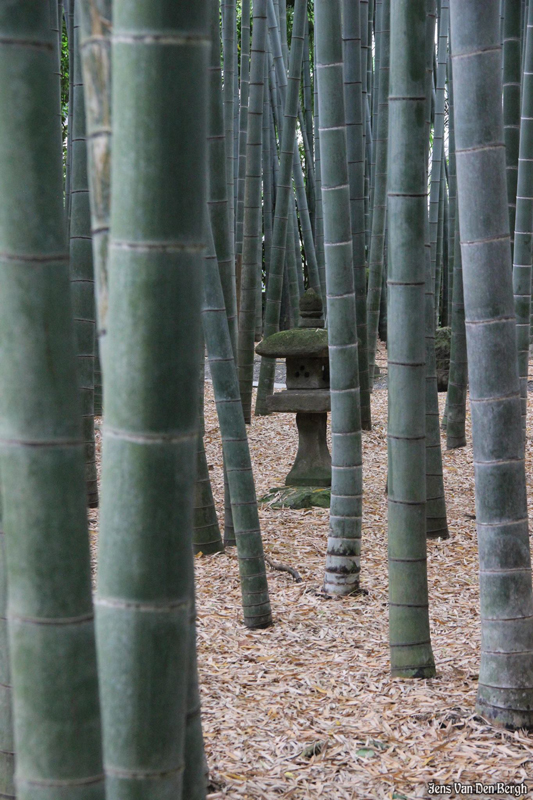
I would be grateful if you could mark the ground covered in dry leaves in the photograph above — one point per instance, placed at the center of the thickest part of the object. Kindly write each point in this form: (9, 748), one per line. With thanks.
(306, 709)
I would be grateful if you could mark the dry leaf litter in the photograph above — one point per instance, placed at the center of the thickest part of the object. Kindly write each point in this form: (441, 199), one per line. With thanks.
(307, 708)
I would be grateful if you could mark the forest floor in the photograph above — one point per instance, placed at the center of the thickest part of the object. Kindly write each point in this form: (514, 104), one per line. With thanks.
(307, 709)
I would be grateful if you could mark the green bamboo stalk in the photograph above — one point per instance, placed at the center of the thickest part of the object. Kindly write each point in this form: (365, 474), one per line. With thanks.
(50, 614)
(344, 540)
(206, 532)
(375, 260)
(299, 184)
(219, 211)
(252, 247)
(267, 177)
(195, 774)
(153, 361)
(206, 537)
(7, 744)
(505, 689)
(409, 635)
(229, 28)
(68, 8)
(353, 97)
(436, 523)
(295, 275)
(511, 102)
(243, 122)
(439, 249)
(218, 202)
(445, 258)
(363, 11)
(236, 111)
(306, 126)
(374, 106)
(281, 242)
(254, 586)
(95, 50)
(438, 154)
(319, 235)
(452, 189)
(81, 266)
(458, 375)
(524, 221)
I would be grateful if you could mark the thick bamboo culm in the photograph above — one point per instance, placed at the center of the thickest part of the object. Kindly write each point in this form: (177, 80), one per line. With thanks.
(153, 359)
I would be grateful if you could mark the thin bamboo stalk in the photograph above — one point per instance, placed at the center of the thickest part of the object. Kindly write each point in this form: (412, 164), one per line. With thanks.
(95, 49)
(524, 221)
(409, 634)
(377, 242)
(229, 28)
(436, 522)
(254, 586)
(344, 540)
(452, 188)
(458, 375)
(511, 102)
(7, 743)
(243, 122)
(81, 266)
(281, 241)
(353, 97)
(252, 246)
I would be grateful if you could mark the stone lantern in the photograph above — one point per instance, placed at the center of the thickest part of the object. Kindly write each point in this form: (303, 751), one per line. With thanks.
(307, 395)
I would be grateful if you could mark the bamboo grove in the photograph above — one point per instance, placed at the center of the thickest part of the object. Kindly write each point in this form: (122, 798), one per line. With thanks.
(173, 178)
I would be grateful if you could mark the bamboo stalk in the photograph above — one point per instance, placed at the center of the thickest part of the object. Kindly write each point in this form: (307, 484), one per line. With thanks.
(254, 586)
(81, 266)
(524, 221)
(344, 540)
(409, 635)
(353, 95)
(153, 362)
(50, 612)
(505, 689)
